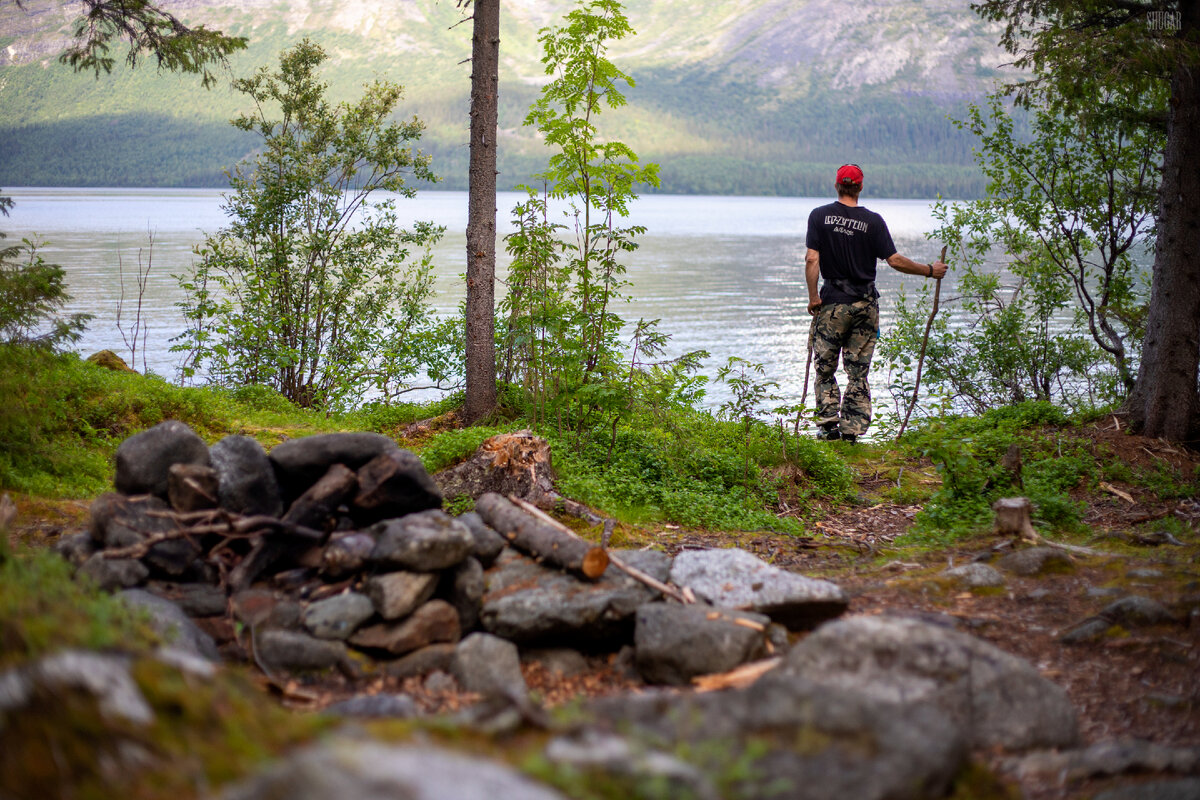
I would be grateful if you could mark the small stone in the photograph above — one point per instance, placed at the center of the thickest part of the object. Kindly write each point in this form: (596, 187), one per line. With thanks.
(393, 706)
(490, 666)
(424, 542)
(1089, 630)
(438, 682)
(291, 650)
(975, 576)
(1144, 573)
(488, 543)
(1100, 592)
(337, 617)
(436, 621)
(398, 594)
(261, 608)
(463, 588)
(114, 573)
(144, 459)
(347, 552)
(1036, 561)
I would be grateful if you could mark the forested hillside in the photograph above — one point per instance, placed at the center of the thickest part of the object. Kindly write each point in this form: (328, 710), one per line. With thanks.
(756, 97)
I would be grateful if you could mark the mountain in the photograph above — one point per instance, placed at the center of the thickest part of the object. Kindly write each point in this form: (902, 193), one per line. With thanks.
(748, 97)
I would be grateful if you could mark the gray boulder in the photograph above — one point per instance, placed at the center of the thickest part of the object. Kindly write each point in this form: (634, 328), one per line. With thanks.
(788, 737)
(111, 574)
(393, 484)
(118, 521)
(295, 651)
(144, 458)
(490, 666)
(352, 767)
(337, 617)
(434, 658)
(194, 599)
(462, 587)
(531, 604)
(675, 643)
(169, 621)
(1136, 611)
(76, 548)
(998, 699)
(299, 463)
(975, 576)
(1034, 561)
(424, 542)
(246, 479)
(737, 579)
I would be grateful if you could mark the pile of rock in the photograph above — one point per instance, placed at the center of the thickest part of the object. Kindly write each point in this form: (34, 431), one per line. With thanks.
(335, 547)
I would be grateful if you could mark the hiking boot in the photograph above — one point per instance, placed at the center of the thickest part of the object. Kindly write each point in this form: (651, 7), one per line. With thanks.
(849, 437)
(829, 433)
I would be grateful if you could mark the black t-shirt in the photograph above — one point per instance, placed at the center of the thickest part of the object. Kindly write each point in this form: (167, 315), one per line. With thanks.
(850, 239)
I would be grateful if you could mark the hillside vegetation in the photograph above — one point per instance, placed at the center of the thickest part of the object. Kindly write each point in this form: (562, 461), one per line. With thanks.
(749, 98)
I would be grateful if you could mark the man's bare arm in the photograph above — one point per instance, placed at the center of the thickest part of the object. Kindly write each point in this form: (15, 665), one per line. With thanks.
(812, 274)
(906, 265)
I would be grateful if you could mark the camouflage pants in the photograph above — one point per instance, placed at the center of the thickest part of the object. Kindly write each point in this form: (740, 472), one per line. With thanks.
(850, 330)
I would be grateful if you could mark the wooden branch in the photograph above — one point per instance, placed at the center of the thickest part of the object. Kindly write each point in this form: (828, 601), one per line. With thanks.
(737, 678)
(530, 530)
(937, 295)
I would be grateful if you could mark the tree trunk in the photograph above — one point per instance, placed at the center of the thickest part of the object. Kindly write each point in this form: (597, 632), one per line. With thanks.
(1164, 403)
(481, 214)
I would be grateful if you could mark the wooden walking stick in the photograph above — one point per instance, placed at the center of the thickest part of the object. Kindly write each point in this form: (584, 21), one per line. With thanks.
(937, 294)
(812, 330)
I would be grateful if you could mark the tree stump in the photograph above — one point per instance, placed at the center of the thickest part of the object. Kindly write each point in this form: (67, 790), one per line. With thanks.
(1014, 518)
(515, 463)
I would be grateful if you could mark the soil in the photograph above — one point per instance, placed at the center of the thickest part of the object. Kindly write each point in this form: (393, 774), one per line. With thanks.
(1136, 684)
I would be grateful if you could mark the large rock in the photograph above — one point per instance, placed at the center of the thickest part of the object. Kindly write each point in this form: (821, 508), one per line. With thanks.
(462, 587)
(169, 621)
(246, 479)
(351, 767)
(1033, 561)
(118, 521)
(788, 737)
(737, 579)
(424, 542)
(111, 574)
(531, 604)
(434, 622)
(490, 666)
(292, 650)
(675, 643)
(299, 463)
(144, 458)
(105, 676)
(391, 485)
(998, 698)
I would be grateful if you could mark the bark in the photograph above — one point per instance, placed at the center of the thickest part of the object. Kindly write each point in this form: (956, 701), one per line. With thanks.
(481, 214)
(1164, 402)
(541, 540)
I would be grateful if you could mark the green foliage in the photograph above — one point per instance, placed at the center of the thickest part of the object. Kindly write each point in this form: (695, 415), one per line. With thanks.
(309, 291)
(147, 29)
(1066, 211)
(43, 609)
(968, 453)
(448, 448)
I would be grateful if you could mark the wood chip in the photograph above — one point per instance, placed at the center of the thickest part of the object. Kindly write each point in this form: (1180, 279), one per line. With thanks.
(738, 678)
(751, 624)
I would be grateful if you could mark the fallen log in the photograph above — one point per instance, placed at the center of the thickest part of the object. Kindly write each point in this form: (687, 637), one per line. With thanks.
(684, 597)
(531, 534)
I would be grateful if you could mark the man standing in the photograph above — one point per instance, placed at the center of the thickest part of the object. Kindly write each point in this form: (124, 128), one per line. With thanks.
(844, 241)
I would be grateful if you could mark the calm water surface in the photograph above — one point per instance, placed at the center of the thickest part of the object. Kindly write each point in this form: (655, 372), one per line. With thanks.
(723, 274)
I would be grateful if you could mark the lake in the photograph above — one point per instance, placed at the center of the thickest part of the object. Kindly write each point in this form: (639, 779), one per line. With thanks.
(723, 274)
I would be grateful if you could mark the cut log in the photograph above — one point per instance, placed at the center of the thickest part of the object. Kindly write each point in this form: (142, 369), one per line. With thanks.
(543, 541)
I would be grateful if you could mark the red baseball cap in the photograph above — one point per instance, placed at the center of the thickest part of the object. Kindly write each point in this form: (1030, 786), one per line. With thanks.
(849, 173)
